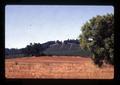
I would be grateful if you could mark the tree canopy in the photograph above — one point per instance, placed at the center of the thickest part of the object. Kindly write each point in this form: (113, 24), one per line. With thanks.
(98, 36)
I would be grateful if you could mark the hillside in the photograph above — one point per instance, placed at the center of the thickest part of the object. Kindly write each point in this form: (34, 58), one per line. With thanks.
(65, 48)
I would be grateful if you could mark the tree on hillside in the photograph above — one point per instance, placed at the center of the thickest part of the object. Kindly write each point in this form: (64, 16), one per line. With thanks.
(98, 36)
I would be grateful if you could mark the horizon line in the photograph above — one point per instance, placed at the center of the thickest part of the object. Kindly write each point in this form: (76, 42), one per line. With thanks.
(40, 43)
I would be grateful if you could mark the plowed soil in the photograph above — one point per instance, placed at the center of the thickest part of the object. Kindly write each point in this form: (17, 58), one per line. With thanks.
(56, 67)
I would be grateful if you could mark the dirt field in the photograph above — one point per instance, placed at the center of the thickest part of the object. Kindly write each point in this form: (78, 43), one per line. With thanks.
(56, 67)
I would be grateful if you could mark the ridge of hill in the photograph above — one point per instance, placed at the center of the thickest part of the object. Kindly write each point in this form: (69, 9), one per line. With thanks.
(66, 48)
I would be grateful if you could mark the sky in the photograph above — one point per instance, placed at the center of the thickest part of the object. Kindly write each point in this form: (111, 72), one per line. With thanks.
(25, 24)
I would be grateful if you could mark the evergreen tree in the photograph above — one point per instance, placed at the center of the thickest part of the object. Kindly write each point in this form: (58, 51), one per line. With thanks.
(98, 36)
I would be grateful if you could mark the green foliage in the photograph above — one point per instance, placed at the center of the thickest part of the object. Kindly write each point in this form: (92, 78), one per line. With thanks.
(98, 36)
(35, 49)
(67, 52)
(68, 47)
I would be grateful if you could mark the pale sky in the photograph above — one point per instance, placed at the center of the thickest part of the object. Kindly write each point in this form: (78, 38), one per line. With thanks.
(26, 24)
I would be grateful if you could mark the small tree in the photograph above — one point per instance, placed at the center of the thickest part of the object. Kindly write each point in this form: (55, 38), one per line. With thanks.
(98, 36)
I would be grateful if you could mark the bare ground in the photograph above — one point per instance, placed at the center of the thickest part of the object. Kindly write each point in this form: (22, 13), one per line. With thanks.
(65, 67)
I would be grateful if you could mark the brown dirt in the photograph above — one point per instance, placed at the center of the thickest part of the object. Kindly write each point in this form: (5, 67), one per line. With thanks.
(65, 67)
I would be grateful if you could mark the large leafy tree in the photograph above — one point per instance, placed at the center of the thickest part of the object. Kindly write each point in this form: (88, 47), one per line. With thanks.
(98, 36)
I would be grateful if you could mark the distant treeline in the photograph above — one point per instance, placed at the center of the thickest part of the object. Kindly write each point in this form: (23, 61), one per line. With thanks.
(68, 47)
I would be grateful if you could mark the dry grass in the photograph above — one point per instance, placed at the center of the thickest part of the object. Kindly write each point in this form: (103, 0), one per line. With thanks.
(56, 67)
